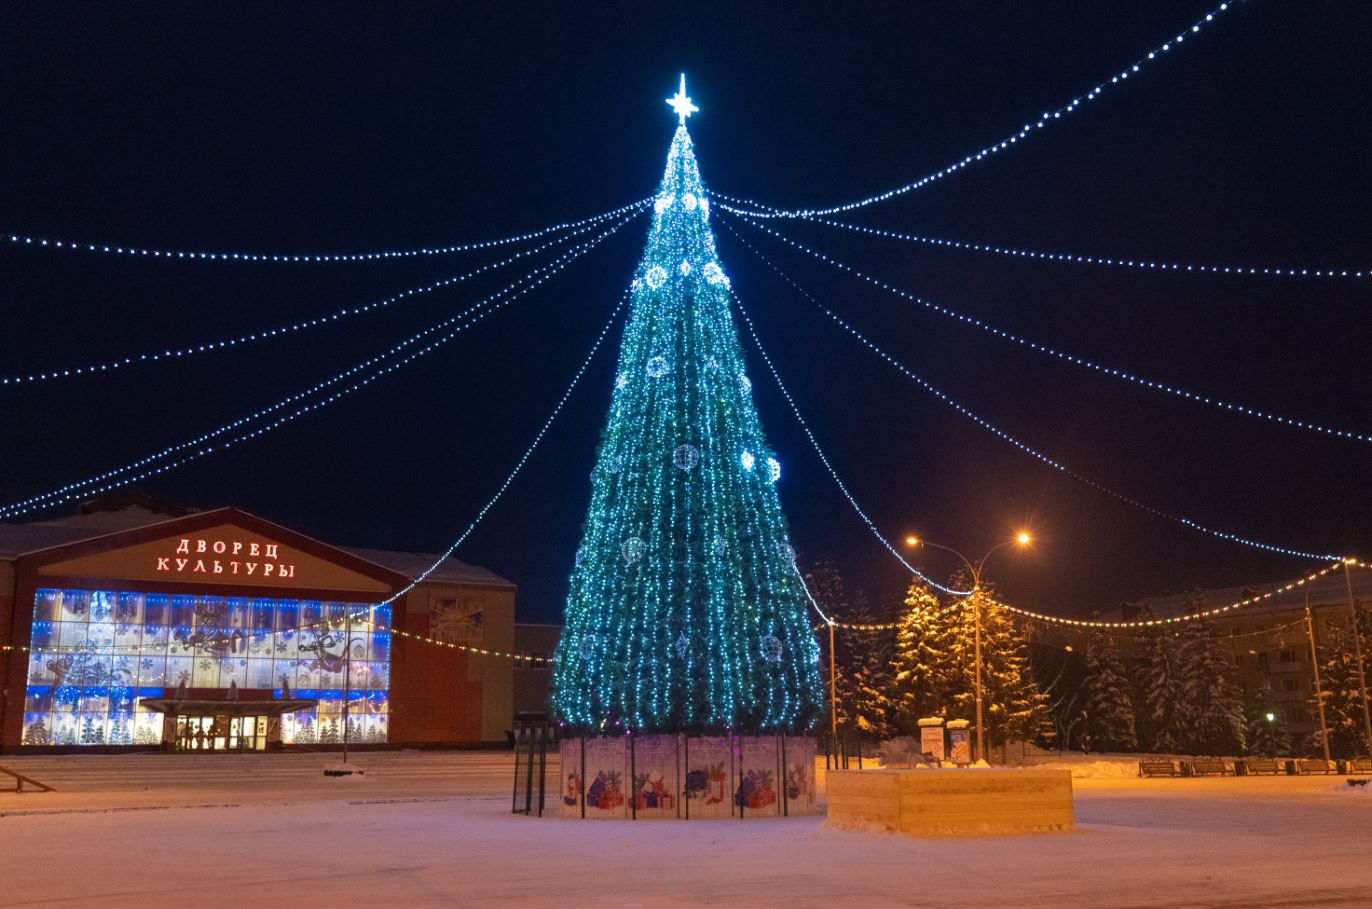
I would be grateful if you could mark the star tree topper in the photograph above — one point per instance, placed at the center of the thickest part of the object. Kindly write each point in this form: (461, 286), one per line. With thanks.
(681, 102)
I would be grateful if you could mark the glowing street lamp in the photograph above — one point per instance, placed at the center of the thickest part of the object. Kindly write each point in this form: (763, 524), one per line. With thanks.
(1022, 540)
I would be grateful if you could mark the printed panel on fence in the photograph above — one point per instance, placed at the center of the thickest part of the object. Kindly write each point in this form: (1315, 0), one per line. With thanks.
(757, 789)
(656, 774)
(799, 763)
(708, 785)
(606, 780)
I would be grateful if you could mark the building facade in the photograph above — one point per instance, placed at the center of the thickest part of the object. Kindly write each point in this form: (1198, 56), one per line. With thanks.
(137, 627)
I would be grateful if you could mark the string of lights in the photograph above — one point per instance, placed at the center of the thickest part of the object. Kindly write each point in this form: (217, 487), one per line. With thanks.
(843, 488)
(281, 330)
(1192, 616)
(1023, 446)
(363, 613)
(1084, 362)
(523, 459)
(1048, 118)
(106, 481)
(1109, 261)
(34, 242)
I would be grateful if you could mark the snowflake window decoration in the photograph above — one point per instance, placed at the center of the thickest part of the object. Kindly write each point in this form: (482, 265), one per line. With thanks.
(773, 470)
(688, 201)
(771, 648)
(632, 549)
(686, 457)
(715, 275)
(656, 277)
(658, 367)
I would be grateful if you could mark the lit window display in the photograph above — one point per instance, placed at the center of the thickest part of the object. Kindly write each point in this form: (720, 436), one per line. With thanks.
(96, 653)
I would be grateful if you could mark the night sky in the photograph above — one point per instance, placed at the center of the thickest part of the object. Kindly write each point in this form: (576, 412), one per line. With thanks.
(336, 127)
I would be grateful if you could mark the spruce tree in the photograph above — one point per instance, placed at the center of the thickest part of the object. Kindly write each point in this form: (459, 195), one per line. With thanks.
(864, 681)
(1342, 693)
(919, 666)
(1157, 691)
(1109, 703)
(1209, 717)
(685, 609)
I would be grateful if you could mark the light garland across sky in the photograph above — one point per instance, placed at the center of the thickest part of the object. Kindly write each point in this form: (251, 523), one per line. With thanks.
(843, 488)
(1022, 446)
(201, 446)
(1141, 264)
(1048, 118)
(280, 330)
(1084, 362)
(34, 242)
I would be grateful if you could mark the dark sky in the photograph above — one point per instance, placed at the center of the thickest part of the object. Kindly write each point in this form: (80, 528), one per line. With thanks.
(349, 126)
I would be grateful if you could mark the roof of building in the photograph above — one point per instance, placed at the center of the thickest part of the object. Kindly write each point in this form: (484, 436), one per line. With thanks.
(104, 517)
(1331, 589)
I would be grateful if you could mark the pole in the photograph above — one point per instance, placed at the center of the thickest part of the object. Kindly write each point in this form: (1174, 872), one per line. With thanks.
(1315, 665)
(976, 632)
(833, 690)
(1357, 651)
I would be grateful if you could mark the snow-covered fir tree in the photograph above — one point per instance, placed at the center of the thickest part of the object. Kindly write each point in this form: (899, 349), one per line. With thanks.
(1157, 691)
(1209, 717)
(1109, 702)
(1342, 691)
(863, 657)
(864, 682)
(919, 677)
(1264, 736)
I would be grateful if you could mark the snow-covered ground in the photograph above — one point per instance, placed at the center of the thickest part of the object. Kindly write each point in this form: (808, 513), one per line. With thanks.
(395, 839)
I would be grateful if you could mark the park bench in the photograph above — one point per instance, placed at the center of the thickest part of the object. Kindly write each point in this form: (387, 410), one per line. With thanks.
(1316, 765)
(1258, 766)
(1159, 768)
(1360, 765)
(1205, 766)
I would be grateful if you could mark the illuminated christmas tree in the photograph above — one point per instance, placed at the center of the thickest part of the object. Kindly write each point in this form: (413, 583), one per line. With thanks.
(685, 610)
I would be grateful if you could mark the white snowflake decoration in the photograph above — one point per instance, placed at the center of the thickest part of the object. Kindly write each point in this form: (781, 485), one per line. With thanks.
(683, 644)
(773, 470)
(658, 367)
(788, 552)
(587, 646)
(662, 203)
(686, 457)
(715, 275)
(772, 648)
(580, 555)
(712, 365)
(632, 549)
(745, 382)
(685, 267)
(616, 463)
(621, 380)
(747, 460)
(720, 546)
(705, 208)
(655, 276)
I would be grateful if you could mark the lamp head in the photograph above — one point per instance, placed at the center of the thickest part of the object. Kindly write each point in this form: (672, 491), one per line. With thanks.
(912, 541)
(1023, 538)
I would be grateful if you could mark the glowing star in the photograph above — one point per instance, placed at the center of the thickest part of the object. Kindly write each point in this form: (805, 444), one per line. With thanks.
(681, 102)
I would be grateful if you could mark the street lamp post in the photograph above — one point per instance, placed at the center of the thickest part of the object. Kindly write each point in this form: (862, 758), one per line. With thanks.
(1020, 539)
(1272, 732)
